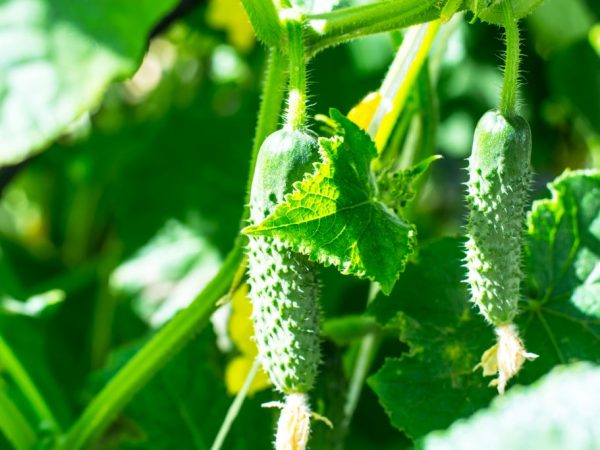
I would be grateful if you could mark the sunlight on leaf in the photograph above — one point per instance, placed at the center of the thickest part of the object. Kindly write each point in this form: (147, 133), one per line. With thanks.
(431, 310)
(335, 217)
(59, 59)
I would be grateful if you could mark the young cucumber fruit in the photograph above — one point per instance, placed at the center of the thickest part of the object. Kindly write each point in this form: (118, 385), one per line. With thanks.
(283, 284)
(498, 188)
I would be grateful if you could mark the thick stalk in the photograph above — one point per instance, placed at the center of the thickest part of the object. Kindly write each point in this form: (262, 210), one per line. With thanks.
(510, 87)
(296, 107)
(342, 25)
(265, 21)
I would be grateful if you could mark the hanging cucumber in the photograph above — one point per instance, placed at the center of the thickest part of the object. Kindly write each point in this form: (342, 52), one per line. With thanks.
(498, 188)
(283, 284)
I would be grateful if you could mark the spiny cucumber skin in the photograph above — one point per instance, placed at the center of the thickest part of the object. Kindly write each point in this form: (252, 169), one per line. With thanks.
(283, 284)
(498, 188)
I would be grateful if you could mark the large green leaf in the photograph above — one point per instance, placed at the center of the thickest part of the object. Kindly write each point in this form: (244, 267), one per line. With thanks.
(434, 384)
(556, 413)
(57, 59)
(561, 318)
(335, 216)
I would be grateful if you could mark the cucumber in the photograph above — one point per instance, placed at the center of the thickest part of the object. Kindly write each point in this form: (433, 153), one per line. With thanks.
(283, 284)
(498, 192)
(498, 188)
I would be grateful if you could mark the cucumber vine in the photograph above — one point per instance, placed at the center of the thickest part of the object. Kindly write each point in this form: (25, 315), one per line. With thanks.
(290, 168)
(498, 188)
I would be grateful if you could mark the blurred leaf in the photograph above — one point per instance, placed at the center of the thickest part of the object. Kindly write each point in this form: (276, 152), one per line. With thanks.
(167, 273)
(579, 88)
(430, 306)
(171, 410)
(335, 217)
(557, 24)
(555, 413)
(58, 59)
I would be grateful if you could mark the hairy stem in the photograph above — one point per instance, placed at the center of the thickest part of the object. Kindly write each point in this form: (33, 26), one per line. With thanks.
(10, 363)
(269, 111)
(345, 24)
(510, 87)
(296, 108)
(265, 21)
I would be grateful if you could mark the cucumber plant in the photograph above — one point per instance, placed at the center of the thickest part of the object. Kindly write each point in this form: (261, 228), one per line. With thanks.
(498, 188)
(348, 199)
(283, 283)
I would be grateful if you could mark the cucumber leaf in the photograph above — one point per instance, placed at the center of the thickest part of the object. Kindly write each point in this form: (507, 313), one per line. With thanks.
(58, 60)
(434, 384)
(334, 216)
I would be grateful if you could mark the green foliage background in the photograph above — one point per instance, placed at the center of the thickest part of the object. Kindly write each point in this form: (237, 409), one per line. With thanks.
(131, 209)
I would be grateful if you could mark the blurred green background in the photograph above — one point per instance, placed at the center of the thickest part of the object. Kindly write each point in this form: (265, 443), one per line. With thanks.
(123, 219)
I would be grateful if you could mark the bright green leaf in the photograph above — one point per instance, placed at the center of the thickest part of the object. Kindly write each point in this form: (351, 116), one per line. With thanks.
(561, 321)
(335, 216)
(555, 413)
(397, 188)
(58, 58)
(434, 385)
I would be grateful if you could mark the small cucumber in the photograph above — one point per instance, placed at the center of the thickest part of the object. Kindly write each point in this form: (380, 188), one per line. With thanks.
(283, 284)
(498, 188)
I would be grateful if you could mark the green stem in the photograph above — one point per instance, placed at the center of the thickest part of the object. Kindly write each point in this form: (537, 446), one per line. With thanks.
(14, 425)
(156, 353)
(265, 20)
(345, 24)
(269, 111)
(235, 407)
(10, 363)
(151, 358)
(366, 354)
(510, 87)
(296, 112)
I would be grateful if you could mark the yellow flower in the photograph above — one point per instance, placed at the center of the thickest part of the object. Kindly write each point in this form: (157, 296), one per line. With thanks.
(229, 15)
(241, 332)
